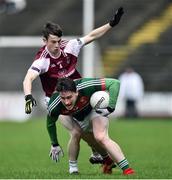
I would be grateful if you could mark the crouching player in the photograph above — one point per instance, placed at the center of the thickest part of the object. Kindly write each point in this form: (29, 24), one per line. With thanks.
(73, 100)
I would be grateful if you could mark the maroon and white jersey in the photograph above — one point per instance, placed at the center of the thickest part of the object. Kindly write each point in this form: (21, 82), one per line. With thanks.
(51, 68)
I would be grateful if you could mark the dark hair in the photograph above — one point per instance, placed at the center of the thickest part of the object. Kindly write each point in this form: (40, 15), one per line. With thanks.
(65, 84)
(52, 28)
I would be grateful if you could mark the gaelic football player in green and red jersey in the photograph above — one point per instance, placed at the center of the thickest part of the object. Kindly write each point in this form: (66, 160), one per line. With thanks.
(72, 100)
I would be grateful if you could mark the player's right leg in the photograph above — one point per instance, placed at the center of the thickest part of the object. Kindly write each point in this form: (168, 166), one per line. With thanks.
(74, 142)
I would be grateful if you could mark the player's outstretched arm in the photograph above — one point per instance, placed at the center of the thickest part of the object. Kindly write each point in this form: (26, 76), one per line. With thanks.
(97, 33)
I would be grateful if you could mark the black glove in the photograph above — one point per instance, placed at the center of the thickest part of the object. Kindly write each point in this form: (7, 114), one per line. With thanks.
(116, 18)
(105, 112)
(30, 102)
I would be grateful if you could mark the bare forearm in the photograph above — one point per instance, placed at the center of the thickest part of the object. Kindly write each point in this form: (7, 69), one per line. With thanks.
(99, 32)
(27, 86)
(27, 83)
(96, 33)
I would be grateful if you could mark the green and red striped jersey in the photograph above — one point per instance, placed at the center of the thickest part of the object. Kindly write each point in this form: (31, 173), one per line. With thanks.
(86, 87)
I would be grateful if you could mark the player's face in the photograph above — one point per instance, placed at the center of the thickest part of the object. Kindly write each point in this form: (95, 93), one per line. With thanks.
(53, 44)
(68, 98)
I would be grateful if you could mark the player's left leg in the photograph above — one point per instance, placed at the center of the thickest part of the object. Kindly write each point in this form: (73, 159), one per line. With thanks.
(100, 129)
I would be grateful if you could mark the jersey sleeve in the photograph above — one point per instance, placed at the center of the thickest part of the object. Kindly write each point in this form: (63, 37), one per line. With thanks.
(73, 46)
(51, 128)
(89, 85)
(113, 86)
(54, 105)
(52, 117)
(40, 65)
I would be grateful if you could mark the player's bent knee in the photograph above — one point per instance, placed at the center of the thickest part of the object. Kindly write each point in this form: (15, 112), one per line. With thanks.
(101, 138)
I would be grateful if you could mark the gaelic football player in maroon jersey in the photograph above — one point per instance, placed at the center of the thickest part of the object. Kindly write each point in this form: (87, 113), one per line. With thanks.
(58, 59)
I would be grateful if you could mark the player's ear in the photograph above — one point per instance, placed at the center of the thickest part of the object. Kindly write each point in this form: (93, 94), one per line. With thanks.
(44, 39)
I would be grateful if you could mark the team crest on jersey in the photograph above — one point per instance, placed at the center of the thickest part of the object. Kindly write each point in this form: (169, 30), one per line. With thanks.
(52, 65)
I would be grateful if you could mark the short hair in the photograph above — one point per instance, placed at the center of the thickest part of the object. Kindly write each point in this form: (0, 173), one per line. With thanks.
(51, 28)
(66, 84)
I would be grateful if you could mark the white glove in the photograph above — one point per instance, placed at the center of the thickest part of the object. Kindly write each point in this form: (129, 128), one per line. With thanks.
(55, 153)
(104, 112)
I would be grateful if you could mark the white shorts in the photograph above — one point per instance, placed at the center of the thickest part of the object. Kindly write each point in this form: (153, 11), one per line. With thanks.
(86, 124)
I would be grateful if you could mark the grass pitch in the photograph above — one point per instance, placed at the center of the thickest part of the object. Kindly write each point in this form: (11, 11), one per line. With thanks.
(24, 149)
